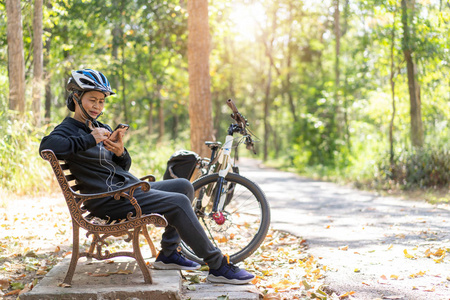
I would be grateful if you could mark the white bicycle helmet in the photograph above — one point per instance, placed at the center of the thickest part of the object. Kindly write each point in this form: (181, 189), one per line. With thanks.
(86, 80)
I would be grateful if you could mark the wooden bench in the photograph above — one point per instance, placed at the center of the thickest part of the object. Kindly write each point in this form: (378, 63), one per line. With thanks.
(100, 231)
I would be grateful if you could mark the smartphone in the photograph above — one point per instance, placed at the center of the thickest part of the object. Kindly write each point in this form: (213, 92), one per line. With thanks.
(120, 128)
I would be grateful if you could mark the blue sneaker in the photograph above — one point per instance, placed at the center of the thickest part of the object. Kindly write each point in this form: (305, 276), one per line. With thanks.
(229, 273)
(175, 261)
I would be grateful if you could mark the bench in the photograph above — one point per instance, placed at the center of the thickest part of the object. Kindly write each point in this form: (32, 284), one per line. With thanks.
(99, 229)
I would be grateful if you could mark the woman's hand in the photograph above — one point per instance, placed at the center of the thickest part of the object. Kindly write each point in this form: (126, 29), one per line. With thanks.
(116, 146)
(100, 134)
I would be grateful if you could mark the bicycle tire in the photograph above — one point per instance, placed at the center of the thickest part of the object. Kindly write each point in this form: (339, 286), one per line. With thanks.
(247, 218)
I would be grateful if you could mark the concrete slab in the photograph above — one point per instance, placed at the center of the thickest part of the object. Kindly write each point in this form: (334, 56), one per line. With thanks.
(209, 291)
(100, 280)
(123, 279)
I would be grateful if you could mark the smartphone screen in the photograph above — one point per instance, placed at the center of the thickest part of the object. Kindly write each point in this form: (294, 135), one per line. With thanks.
(120, 128)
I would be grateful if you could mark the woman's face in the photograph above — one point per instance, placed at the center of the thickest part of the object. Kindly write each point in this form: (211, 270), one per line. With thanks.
(93, 103)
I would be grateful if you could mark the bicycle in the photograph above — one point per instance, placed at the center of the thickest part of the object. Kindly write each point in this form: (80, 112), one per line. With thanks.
(232, 209)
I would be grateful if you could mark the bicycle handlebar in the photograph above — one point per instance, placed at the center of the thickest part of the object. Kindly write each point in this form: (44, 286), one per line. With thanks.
(238, 117)
(233, 107)
(242, 123)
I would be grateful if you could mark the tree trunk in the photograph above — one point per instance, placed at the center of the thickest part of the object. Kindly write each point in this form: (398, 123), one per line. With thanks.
(413, 87)
(337, 33)
(124, 97)
(391, 79)
(16, 60)
(38, 64)
(48, 89)
(200, 110)
(160, 114)
(150, 118)
(266, 114)
(288, 85)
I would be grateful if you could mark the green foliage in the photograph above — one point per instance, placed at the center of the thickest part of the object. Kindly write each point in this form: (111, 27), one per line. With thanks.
(22, 170)
(278, 55)
(418, 168)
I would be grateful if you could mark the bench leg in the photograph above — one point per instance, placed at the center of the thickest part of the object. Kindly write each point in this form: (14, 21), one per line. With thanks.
(75, 254)
(149, 240)
(138, 256)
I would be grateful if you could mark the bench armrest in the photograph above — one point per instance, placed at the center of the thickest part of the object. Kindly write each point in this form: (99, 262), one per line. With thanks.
(150, 178)
(126, 192)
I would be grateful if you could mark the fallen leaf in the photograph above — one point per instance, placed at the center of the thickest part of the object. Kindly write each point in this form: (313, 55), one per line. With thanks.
(17, 286)
(306, 285)
(15, 292)
(194, 279)
(98, 274)
(64, 285)
(41, 272)
(4, 284)
(383, 277)
(272, 296)
(432, 289)
(123, 272)
(347, 294)
(282, 285)
(390, 247)
(395, 277)
(418, 274)
(26, 289)
(407, 255)
(344, 248)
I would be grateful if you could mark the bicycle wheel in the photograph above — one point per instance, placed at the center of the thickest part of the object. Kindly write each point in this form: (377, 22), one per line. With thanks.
(246, 212)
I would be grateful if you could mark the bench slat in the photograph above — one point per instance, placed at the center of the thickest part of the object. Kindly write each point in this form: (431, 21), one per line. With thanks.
(75, 188)
(64, 166)
(70, 177)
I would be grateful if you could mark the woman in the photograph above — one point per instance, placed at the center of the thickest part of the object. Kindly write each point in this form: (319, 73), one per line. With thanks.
(101, 163)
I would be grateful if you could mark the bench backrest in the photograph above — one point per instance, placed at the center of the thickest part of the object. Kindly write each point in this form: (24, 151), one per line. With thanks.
(66, 180)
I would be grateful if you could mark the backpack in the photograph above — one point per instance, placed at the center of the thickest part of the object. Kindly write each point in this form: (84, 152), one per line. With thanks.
(182, 164)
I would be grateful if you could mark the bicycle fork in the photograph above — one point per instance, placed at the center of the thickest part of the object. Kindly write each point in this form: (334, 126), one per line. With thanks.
(221, 188)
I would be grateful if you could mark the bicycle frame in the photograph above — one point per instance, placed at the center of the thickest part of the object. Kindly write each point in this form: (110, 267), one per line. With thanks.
(224, 166)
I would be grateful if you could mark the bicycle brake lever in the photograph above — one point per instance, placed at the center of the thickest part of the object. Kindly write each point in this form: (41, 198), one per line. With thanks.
(249, 144)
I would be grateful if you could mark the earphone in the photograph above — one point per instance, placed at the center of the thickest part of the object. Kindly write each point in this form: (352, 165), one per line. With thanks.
(112, 172)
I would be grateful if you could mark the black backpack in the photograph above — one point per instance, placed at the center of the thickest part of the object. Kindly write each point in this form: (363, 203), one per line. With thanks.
(182, 165)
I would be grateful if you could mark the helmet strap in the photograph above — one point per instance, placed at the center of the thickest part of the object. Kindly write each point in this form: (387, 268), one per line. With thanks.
(86, 115)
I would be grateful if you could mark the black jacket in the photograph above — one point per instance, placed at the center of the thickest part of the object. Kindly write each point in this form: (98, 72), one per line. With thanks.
(96, 169)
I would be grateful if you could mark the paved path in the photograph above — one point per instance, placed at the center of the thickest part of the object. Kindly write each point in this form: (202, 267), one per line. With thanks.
(362, 237)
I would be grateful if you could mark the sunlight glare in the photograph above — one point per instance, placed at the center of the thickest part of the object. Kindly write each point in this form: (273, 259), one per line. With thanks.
(248, 19)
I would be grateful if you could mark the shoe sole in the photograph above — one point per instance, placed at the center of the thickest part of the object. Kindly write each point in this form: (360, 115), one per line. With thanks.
(162, 266)
(221, 279)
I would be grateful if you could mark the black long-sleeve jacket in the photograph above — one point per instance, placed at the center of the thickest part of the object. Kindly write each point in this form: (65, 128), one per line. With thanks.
(96, 169)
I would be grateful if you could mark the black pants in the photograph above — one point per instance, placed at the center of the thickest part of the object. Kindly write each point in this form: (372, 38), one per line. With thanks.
(172, 199)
